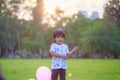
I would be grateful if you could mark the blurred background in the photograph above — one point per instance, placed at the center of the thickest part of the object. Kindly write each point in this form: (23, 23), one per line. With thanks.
(26, 27)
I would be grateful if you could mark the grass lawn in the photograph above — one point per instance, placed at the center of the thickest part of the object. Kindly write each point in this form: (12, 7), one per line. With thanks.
(77, 69)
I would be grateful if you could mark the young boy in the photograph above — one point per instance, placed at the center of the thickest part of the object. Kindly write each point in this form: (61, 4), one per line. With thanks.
(59, 52)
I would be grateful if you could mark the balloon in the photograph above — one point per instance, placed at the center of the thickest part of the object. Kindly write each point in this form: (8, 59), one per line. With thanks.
(43, 73)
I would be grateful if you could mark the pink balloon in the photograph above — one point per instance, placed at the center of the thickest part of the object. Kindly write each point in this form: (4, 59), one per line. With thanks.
(43, 73)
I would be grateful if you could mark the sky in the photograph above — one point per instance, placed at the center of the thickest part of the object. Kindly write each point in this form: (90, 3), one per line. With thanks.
(71, 7)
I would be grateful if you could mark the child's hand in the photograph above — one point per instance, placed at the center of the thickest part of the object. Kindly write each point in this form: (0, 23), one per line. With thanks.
(65, 56)
(75, 48)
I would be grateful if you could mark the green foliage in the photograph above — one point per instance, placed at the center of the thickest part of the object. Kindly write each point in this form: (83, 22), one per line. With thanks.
(8, 26)
(101, 37)
(112, 11)
(32, 37)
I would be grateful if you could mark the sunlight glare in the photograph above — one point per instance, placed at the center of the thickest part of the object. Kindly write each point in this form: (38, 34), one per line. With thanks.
(51, 5)
(71, 7)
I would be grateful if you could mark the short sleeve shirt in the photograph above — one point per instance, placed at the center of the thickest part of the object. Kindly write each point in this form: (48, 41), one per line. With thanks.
(62, 49)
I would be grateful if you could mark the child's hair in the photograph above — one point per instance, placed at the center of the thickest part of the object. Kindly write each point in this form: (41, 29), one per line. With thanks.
(58, 32)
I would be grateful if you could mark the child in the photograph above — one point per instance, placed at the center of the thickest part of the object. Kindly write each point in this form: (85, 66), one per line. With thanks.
(59, 52)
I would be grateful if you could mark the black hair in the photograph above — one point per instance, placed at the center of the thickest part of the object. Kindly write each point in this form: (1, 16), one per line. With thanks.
(59, 32)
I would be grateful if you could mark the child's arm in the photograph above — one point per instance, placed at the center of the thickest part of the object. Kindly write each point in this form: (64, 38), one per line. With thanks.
(57, 55)
(64, 56)
(72, 51)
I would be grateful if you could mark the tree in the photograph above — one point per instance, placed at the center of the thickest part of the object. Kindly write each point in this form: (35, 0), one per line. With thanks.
(112, 11)
(52, 19)
(102, 38)
(38, 11)
(5, 35)
(8, 26)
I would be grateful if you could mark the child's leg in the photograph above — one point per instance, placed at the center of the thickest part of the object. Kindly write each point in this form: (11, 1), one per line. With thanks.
(62, 74)
(55, 74)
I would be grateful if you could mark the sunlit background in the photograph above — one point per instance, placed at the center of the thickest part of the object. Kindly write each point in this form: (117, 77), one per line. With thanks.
(69, 7)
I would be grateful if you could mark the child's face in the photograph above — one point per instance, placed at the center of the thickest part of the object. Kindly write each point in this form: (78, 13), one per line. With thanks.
(59, 39)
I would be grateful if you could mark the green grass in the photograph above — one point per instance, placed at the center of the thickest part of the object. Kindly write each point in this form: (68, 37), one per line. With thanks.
(79, 69)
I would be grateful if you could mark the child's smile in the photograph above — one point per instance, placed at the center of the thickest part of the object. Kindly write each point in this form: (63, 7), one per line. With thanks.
(59, 39)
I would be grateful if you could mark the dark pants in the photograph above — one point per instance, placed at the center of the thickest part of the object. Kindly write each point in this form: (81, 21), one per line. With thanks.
(61, 72)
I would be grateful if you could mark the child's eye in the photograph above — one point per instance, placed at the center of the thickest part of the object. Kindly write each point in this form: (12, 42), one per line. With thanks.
(59, 37)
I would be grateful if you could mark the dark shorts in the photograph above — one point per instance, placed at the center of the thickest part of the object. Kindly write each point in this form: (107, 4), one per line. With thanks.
(58, 72)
